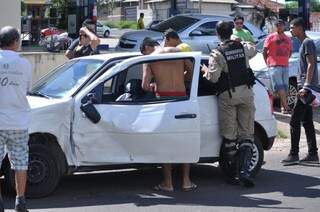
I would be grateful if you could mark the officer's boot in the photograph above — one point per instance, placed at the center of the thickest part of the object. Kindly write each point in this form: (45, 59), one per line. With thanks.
(245, 157)
(229, 151)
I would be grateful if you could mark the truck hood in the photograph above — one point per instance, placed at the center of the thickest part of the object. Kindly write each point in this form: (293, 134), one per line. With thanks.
(36, 102)
(141, 34)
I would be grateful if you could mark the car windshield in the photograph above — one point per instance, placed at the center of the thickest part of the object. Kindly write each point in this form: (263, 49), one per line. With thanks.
(177, 23)
(66, 79)
(295, 45)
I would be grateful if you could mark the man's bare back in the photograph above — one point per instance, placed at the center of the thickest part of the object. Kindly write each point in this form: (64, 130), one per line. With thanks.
(168, 75)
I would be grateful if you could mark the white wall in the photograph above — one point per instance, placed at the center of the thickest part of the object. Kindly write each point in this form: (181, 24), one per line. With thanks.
(43, 62)
(10, 13)
(214, 8)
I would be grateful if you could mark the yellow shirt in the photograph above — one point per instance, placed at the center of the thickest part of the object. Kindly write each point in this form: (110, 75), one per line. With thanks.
(184, 47)
(140, 23)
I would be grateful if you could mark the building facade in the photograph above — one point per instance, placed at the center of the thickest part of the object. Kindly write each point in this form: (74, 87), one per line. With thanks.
(10, 14)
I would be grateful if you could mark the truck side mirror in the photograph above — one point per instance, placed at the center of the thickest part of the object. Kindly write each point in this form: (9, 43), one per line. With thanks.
(89, 109)
(196, 33)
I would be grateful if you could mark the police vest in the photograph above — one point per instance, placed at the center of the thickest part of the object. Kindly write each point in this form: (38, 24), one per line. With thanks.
(238, 73)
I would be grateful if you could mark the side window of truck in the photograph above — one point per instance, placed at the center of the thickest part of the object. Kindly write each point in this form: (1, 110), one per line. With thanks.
(126, 88)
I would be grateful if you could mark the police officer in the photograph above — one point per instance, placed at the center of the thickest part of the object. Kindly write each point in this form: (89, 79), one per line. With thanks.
(229, 70)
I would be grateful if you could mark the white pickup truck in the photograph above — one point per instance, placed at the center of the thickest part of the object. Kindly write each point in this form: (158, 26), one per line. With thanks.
(65, 138)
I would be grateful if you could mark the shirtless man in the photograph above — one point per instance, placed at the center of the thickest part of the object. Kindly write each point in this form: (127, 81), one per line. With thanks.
(169, 79)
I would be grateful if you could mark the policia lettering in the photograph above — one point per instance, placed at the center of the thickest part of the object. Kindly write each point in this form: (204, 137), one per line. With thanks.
(238, 72)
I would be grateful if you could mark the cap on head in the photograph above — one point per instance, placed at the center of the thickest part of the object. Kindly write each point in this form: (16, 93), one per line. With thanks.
(170, 33)
(148, 42)
(224, 29)
(8, 35)
(279, 22)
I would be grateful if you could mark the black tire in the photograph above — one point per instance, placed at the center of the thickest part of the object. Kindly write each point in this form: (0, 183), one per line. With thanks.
(292, 92)
(256, 162)
(43, 173)
(106, 34)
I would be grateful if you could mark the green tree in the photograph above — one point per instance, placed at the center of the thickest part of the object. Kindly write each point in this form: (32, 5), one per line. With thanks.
(61, 6)
(23, 8)
(315, 6)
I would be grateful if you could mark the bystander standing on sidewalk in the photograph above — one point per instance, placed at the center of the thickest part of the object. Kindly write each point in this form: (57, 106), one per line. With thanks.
(302, 111)
(277, 50)
(15, 81)
(87, 42)
(238, 31)
(140, 24)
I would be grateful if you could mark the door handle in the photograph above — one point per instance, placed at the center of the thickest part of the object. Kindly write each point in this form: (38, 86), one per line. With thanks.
(186, 116)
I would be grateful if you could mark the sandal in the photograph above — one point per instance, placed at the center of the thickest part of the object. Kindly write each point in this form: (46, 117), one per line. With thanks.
(161, 188)
(192, 187)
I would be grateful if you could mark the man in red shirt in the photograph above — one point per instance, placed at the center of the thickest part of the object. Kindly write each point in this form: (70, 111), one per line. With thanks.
(276, 53)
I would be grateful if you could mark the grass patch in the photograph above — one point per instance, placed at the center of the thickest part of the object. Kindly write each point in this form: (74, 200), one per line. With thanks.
(281, 134)
(121, 24)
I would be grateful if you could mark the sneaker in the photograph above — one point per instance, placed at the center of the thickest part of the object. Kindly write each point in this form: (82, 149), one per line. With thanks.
(246, 182)
(20, 205)
(290, 160)
(310, 159)
(21, 208)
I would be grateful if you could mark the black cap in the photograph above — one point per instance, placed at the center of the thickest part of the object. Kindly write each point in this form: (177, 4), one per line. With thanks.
(279, 21)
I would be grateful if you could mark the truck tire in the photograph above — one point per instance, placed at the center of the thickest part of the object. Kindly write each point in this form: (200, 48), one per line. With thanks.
(106, 34)
(256, 162)
(292, 92)
(43, 171)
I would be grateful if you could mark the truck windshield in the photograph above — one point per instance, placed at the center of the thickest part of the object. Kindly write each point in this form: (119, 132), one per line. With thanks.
(66, 79)
(177, 23)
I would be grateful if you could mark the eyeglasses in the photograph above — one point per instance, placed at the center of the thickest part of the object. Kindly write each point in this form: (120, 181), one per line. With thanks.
(238, 23)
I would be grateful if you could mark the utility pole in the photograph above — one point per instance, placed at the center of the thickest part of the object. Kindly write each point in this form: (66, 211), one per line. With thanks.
(304, 11)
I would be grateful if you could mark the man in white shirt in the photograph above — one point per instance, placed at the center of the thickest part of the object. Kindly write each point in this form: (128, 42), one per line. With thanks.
(15, 81)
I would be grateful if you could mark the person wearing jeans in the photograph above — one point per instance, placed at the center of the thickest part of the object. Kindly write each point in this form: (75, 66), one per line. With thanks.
(302, 111)
(277, 49)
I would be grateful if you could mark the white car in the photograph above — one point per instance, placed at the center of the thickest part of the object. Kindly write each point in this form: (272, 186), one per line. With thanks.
(261, 70)
(102, 30)
(194, 29)
(78, 124)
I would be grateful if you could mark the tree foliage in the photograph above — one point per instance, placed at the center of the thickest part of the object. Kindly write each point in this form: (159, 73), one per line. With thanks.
(314, 5)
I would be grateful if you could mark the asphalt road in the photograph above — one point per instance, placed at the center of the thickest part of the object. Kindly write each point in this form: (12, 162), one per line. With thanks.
(278, 188)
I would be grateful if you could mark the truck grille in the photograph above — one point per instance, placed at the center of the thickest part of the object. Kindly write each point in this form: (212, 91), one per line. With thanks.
(127, 43)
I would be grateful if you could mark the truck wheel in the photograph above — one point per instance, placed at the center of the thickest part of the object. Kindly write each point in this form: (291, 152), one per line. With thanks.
(256, 162)
(43, 172)
(106, 34)
(292, 92)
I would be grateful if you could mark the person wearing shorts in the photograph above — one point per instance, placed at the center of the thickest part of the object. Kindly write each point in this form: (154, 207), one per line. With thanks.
(161, 71)
(277, 50)
(279, 78)
(16, 79)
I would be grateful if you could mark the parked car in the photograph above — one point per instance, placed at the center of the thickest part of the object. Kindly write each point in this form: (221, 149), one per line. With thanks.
(153, 24)
(79, 125)
(102, 30)
(261, 69)
(196, 30)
